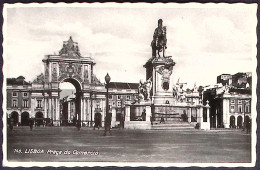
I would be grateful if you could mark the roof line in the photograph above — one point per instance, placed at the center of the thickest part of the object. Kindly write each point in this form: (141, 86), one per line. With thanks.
(129, 86)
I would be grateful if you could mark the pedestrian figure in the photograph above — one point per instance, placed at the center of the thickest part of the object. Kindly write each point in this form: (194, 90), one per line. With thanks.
(151, 119)
(78, 125)
(97, 121)
(122, 121)
(143, 115)
(31, 122)
(44, 123)
(11, 124)
(162, 120)
(248, 126)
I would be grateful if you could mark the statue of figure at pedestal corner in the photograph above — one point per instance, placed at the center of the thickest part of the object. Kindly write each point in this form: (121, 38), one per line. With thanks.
(144, 89)
(159, 42)
(141, 90)
(149, 88)
(180, 92)
(175, 92)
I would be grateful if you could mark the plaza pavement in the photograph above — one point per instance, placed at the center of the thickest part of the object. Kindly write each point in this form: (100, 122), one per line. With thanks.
(163, 146)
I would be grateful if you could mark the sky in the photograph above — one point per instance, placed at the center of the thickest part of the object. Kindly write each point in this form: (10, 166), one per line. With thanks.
(204, 42)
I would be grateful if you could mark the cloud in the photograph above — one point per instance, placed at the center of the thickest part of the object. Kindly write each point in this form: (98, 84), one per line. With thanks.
(201, 41)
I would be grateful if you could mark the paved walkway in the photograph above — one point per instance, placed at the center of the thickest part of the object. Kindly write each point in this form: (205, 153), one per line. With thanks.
(69, 144)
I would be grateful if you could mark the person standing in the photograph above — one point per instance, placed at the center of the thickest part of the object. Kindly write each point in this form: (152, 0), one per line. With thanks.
(248, 126)
(31, 122)
(11, 124)
(97, 121)
(151, 119)
(122, 121)
(143, 115)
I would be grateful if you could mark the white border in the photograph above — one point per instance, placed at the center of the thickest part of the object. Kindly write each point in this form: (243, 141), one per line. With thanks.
(135, 5)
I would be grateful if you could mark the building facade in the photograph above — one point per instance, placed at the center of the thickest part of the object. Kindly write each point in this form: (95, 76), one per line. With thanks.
(41, 98)
(230, 101)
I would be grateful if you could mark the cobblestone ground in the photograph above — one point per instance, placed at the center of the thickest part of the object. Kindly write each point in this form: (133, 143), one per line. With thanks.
(161, 146)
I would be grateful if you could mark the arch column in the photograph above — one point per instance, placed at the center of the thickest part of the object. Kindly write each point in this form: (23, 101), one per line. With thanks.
(88, 111)
(82, 104)
(84, 109)
(49, 108)
(235, 120)
(19, 117)
(45, 106)
(69, 116)
(57, 112)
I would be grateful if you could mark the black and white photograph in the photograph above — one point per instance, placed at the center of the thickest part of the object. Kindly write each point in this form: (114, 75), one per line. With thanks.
(131, 84)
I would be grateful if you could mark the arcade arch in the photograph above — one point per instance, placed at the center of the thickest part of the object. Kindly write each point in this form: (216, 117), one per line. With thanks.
(39, 118)
(239, 122)
(71, 104)
(232, 122)
(25, 119)
(14, 117)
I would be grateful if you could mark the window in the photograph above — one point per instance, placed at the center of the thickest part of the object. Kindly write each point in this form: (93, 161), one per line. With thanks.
(39, 103)
(232, 101)
(25, 94)
(247, 109)
(232, 108)
(119, 104)
(14, 94)
(114, 103)
(14, 103)
(118, 97)
(239, 101)
(110, 97)
(240, 108)
(128, 97)
(25, 103)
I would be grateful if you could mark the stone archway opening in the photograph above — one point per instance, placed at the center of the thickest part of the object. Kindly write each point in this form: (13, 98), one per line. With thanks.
(247, 122)
(14, 118)
(232, 122)
(239, 122)
(25, 119)
(39, 117)
(70, 98)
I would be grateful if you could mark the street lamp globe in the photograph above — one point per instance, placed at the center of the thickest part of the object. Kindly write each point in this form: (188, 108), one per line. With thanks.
(107, 78)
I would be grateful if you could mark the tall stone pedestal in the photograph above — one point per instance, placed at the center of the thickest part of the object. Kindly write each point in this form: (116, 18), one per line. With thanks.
(159, 70)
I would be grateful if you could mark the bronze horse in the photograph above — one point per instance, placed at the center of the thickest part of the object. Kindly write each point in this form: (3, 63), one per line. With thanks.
(159, 39)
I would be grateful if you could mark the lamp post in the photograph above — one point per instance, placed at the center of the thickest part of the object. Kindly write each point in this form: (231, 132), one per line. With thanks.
(107, 117)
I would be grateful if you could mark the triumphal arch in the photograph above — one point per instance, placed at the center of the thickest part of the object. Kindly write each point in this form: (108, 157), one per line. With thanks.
(69, 66)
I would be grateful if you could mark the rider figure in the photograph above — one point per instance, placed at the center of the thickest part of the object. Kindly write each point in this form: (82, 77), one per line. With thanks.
(159, 39)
